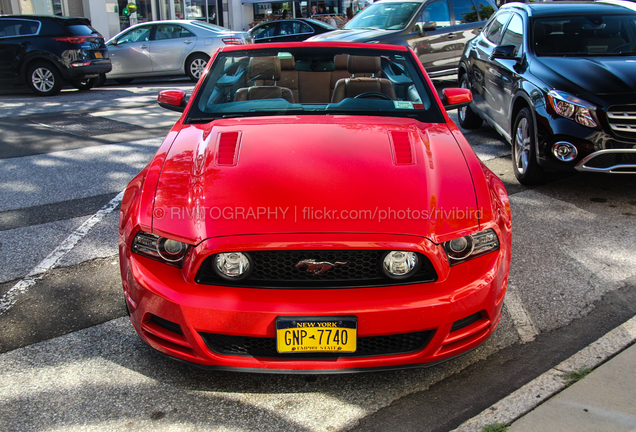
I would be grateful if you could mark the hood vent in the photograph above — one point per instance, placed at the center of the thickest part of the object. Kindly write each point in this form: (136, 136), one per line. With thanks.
(402, 149)
(229, 143)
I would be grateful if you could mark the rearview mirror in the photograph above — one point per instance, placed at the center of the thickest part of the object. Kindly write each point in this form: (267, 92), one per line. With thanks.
(174, 100)
(453, 98)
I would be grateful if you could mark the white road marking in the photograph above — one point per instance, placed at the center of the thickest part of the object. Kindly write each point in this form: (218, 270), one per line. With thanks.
(521, 319)
(38, 272)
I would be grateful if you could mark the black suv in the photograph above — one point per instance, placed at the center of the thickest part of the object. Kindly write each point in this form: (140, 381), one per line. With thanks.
(46, 51)
(437, 30)
(558, 81)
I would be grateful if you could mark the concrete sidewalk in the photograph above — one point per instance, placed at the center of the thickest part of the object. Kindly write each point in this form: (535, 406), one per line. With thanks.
(603, 400)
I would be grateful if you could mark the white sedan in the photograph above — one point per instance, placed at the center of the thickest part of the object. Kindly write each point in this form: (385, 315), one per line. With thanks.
(160, 48)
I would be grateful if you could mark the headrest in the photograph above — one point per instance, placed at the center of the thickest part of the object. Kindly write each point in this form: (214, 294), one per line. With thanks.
(363, 64)
(341, 61)
(264, 68)
(287, 63)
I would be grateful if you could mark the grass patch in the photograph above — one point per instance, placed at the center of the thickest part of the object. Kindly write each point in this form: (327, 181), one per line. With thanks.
(495, 427)
(577, 375)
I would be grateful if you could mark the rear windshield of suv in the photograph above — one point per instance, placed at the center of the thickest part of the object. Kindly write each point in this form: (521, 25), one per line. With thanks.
(81, 30)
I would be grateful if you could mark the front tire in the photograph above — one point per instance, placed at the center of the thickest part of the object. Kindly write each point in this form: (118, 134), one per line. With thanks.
(524, 149)
(195, 66)
(467, 117)
(44, 79)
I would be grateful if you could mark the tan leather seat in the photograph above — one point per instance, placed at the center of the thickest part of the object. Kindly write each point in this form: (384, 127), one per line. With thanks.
(263, 69)
(354, 86)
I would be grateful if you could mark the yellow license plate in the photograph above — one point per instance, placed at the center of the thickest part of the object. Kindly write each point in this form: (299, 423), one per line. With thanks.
(98, 55)
(316, 334)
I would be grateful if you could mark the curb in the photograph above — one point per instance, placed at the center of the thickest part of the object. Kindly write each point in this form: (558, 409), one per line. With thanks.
(551, 382)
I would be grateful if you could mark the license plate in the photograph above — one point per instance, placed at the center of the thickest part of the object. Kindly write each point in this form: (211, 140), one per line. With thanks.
(316, 334)
(98, 55)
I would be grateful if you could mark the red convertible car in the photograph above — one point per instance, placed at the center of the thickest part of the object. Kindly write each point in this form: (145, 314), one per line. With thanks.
(314, 210)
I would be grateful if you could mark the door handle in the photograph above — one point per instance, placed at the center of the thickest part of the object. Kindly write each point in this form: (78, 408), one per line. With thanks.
(25, 43)
(188, 42)
(451, 36)
(144, 46)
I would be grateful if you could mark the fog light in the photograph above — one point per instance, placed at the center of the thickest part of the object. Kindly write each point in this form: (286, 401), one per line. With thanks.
(564, 151)
(400, 264)
(232, 265)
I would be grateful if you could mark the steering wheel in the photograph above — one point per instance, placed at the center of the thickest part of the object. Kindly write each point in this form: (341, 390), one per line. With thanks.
(373, 95)
(620, 47)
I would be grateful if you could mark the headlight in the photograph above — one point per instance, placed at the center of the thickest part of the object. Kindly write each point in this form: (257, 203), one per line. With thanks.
(400, 264)
(162, 249)
(569, 106)
(232, 265)
(471, 246)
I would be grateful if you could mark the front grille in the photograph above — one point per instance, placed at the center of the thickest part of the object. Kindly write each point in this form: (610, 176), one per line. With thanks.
(277, 269)
(366, 346)
(622, 120)
(608, 160)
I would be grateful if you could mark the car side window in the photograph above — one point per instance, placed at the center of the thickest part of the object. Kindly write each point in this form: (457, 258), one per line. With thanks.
(171, 31)
(437, 12)
(265, 31)
(514, 34)
(140, 34)
(18, 27)
(465, 11)
(495, 28)
(304, 28)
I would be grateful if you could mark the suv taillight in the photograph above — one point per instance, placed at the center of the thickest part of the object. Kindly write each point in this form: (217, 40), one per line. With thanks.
(76, 39)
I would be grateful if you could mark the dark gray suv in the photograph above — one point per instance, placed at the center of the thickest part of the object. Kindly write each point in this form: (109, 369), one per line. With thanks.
(437, 30)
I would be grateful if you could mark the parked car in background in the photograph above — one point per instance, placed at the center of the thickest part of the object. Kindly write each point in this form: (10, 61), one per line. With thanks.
(558, 81)
(287, 30)
(44, 52)
(436, 29)
(300, 218)
(160, 48)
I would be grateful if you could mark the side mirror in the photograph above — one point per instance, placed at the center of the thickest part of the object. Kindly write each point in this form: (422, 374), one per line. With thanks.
(453, 98)
(504, 52)
(174, 100)
(429, 26)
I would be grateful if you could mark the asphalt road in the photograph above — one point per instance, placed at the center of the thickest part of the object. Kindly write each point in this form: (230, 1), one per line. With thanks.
(70, 360)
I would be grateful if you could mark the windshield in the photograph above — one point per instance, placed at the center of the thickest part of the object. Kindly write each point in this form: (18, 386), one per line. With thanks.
(314, 80)
(579, 36)
(387, 16)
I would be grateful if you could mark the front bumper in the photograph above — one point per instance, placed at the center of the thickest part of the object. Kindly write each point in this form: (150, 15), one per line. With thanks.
(599, 150)
(179, 317)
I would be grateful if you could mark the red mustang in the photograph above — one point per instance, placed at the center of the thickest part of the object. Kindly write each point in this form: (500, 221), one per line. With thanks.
(315, 210)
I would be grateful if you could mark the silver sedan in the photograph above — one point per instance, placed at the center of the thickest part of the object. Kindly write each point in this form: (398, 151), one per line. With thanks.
(159, 48)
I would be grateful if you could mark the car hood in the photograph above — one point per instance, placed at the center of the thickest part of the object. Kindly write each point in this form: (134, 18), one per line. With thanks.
(352, 35)
(581, 76)
(313, 174)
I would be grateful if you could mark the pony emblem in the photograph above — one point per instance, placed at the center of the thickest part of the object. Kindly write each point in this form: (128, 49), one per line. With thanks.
(318, 267)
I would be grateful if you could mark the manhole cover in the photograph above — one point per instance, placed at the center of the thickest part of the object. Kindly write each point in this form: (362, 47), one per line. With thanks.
(84, 125)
